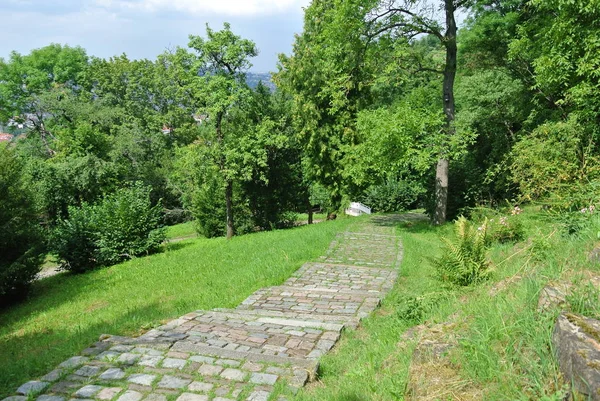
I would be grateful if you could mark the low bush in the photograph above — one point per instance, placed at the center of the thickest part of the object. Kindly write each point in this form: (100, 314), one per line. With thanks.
(392, 196)
(464, 260)
(21, 250)
(123, 225)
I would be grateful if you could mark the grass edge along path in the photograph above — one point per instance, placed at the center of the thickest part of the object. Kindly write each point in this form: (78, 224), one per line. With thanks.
(66, 313)
(504, 349)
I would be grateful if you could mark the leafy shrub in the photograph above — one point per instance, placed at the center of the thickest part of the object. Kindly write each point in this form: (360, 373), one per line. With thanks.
(464, 260)
(393, 196)
(507, 229)
(123, 225)
(415, 309)
(554, 157)
(21, 250)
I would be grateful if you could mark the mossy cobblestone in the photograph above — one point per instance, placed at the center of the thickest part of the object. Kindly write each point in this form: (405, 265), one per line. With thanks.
(267, 347)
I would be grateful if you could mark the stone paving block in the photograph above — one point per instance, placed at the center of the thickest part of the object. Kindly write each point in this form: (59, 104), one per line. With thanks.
(259, 396)
(77, 378)
(263, 378)
(130, 395)
(150, 361)
(32, 387)
(50, 398)
(146, 351)
(88, 371)
(172, 363)
(128, 358)
(253, 367)
(53, 376)
(142, 379)
(88, 391)
(202, 359)
(192, 397)
(64, 387)
(222, 399)
(228, 362)
(210, 370)
(172, 382)
(233, 374)
(108, 393)
(74, 362)
(15, 398)
(112, 374)
(156, 397)
(201, 387)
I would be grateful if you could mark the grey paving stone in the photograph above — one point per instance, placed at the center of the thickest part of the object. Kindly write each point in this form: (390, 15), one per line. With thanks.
(130, 395)
(32, 387)
(88, 371)
(172, 363)
(121, 348)
(108, 393)
(108, 356)
(173, 382)
(209, 370)
(64, 387)
(233, 374)
(202, 359)
(15, 398)
(112, 374)
(50, 398)
(88, 391)
(252, 367)
(222, 399)
(128, 358)
(147, 351)
(150, 361)
(74, 362)
(201, 387)
(192, 397)
(77, 378)
(52, 376)
(142, 378)
(259, 396)
(263, 378)
(228, 362)
(156, 397)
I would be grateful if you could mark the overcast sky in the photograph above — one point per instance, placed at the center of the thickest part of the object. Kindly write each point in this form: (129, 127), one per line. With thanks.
(145, 28)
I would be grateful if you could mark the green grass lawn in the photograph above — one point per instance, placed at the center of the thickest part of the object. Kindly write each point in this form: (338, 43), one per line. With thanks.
(182, 230)
(67, 313)
(303, 217)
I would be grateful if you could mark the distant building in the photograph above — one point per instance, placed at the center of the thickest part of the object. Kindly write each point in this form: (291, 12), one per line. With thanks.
(5, 137)
(166, 130)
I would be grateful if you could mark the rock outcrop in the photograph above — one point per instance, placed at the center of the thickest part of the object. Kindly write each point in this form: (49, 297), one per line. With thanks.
(576, 340)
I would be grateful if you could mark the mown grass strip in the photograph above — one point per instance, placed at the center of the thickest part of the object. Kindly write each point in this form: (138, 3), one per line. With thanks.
(66, 313)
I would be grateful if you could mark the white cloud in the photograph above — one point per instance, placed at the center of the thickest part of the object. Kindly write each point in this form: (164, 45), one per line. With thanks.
(202, 7)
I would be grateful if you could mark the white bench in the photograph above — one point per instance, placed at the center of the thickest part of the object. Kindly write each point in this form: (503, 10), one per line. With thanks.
(357, 208)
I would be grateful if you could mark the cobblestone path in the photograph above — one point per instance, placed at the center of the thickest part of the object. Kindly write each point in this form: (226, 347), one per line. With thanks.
(265, 349)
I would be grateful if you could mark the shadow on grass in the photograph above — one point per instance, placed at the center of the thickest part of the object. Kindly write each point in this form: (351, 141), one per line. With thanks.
(29, 356)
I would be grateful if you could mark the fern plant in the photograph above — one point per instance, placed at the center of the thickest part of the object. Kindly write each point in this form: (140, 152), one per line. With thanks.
(464, 261)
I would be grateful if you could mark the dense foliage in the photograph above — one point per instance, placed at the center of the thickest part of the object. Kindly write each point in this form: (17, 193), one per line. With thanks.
(121, 226)
(21, 241)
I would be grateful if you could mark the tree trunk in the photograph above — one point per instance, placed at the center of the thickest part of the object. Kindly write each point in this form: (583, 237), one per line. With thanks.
(441, 191)
(441, 175)
(229, 206)
(310, 212)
